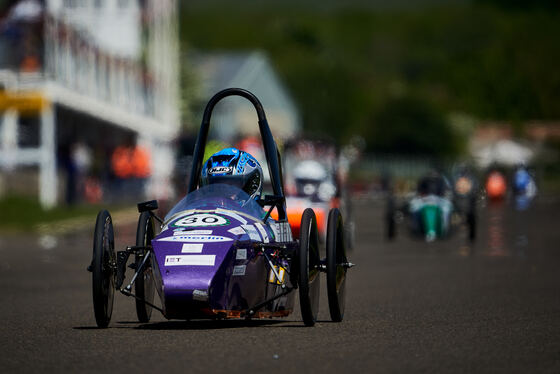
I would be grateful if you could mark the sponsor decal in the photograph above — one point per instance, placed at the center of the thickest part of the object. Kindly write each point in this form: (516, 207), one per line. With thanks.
(263, 232)
(196, 238)
(192, 260)
(241, 254)
(200, 220)
(192, 248)
(281, 273)
(239, 270)
(184, 231)
(237, 230)
(252, 232)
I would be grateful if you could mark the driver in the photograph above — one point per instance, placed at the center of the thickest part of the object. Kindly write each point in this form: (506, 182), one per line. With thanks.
(432, 184)
(234, 167)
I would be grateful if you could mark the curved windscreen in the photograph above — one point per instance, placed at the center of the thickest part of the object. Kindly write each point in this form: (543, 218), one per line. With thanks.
(214, 196)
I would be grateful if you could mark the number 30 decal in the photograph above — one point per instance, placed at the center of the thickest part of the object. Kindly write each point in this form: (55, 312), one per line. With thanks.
(201, 220)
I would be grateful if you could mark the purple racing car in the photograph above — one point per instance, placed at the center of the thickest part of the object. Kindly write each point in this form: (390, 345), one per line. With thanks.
(218, 253)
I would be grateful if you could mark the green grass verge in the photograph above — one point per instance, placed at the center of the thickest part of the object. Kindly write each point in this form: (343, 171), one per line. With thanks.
(24, 213)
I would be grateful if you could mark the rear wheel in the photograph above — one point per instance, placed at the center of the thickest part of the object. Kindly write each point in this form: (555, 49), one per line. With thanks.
(471, 219)
(103, 269)
(390, 224)
(471, 223)
(336, 269)
(144, 285)
(308, 268)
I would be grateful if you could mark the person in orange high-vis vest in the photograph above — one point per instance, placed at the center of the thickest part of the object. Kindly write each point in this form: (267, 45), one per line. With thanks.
(128, 162)
(121, 162)
(140, 161)
(131, 166)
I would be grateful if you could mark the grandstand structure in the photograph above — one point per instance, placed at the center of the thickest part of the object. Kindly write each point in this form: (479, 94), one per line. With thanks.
(90, 71)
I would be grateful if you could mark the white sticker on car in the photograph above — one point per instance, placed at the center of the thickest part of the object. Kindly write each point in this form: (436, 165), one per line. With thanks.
(263, 232)
(192, 248)
(252, 232)
(196, 238)
(237, 230)
(192, 260)
(201, 220)
(239, 270)
(241, 254)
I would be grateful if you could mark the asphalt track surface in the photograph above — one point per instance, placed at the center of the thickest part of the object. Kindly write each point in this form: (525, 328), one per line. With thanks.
(412, 307)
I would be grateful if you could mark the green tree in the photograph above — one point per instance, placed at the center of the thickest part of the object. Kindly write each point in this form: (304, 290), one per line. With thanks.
(409, 125)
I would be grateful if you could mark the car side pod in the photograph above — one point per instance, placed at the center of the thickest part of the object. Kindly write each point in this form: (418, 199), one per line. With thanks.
(336, 265)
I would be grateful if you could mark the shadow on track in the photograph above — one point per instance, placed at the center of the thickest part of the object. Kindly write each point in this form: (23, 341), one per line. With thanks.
(202, 325)
(189, 325)
(206, 324)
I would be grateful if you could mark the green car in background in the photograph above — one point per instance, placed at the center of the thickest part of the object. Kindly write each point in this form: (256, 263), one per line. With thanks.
(433, 212)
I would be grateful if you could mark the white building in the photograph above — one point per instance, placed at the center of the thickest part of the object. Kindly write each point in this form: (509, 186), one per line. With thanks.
(235, 116)
(102, 69)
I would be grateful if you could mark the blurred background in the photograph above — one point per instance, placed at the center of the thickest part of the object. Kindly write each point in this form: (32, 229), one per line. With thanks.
(101, 100)
(439, 117)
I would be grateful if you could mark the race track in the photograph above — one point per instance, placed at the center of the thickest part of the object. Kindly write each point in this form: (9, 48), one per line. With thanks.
(412, 307)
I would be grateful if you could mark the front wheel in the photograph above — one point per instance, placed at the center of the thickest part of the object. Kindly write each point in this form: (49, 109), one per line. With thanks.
(336, 265)
(308, 268)
(103, 267)
(144, 285)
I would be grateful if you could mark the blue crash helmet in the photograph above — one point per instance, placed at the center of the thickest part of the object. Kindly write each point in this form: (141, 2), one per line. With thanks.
(234, 167)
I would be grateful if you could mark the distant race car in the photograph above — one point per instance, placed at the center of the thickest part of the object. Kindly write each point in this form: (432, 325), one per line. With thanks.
(435, 210)
(218, 254)
(314, 180)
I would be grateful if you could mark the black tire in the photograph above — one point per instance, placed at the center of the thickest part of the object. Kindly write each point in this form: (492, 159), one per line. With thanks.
(103, 267)
(390, 224)
(336, 271)
(309, 268)
(144, 285)
(471, 223)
